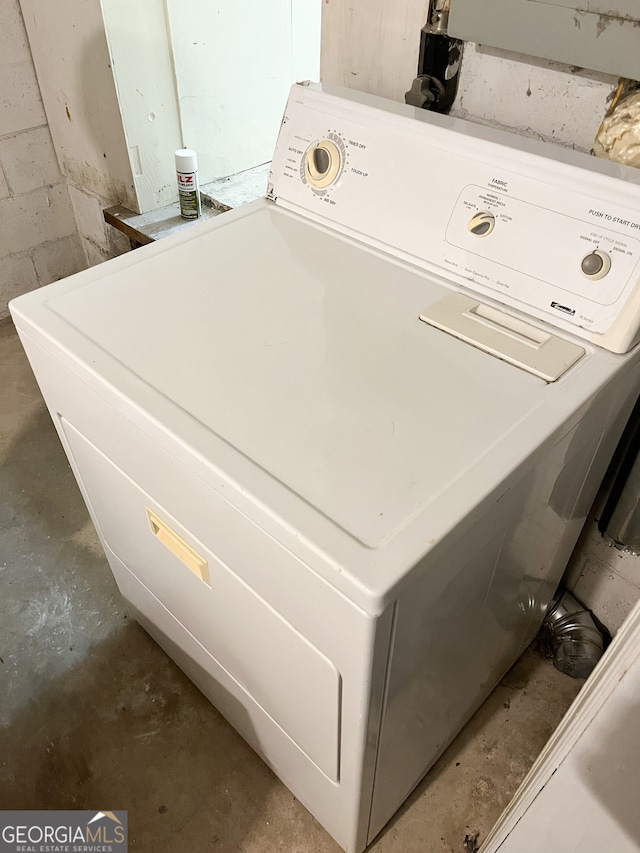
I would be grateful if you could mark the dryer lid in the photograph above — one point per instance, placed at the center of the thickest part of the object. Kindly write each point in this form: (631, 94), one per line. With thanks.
(305, 353)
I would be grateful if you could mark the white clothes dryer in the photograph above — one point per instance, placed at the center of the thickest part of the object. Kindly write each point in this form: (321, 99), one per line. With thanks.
(339, 444)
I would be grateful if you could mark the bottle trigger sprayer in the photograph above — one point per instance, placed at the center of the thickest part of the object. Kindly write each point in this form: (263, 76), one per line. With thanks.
(188, 187)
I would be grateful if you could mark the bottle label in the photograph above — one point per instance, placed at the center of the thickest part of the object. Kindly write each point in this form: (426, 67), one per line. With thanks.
(188, 195)
(186, 181)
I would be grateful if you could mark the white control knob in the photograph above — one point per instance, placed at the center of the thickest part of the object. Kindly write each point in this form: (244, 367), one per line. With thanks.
(482, 223)
(322, 163)
(595, 265)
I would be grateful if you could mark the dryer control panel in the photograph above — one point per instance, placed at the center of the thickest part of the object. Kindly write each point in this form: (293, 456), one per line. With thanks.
(553, 233)
(514, 245)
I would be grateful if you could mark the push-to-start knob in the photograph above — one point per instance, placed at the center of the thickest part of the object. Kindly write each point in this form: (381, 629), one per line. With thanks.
(595, 265)
(322, 163)
(482, 223)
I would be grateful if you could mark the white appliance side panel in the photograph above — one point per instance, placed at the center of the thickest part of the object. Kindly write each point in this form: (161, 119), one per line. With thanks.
(478, 607)
(414, 182)
(574, 490)
(457, 631)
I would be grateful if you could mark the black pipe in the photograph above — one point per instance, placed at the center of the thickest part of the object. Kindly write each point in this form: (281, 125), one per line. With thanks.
(436, 85)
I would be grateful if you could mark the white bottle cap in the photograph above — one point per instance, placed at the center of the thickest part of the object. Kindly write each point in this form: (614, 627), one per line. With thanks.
(186, 160)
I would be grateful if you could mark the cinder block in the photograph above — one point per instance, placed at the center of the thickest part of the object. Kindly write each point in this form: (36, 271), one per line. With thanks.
(17, 276)
(119, 243)
(4, 187)
(539, 100)
(29, 160)
(602, 578)
(605, 592)
(88, 213)
(34, 218)
(59, 259)
(20, 104)
(14, 46)
(94, 254)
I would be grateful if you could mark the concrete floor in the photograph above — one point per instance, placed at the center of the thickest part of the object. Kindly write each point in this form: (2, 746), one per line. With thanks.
(94, 715)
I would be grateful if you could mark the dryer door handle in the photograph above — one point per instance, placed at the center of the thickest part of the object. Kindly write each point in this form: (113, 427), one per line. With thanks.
(178, 547)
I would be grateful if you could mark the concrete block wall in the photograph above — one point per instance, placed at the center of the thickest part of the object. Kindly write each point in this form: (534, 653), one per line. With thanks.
(99, 241)
(604, 578)
(81, 102)
(533, 97)
(39, 241)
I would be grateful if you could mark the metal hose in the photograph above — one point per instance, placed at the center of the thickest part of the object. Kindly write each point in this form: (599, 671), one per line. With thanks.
(578, 645)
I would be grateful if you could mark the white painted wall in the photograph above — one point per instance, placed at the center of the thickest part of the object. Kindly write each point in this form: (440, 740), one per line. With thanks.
(143, 70)
(372, 45)
(233, 72)
(39, 242)
(110, 95)
(136, 81)
(72, 62)
(306, 27)
(73, 68)
(234, 65)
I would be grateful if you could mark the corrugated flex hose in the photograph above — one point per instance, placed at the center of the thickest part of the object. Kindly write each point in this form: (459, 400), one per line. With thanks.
(578, 644)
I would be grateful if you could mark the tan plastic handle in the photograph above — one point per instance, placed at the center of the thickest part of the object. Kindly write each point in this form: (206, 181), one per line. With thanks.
(178, 547)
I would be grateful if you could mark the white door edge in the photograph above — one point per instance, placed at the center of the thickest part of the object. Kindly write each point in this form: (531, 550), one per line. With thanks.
(623, 651)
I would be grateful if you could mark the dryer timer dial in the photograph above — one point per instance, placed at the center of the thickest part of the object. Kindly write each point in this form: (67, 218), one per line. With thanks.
(322, 163)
